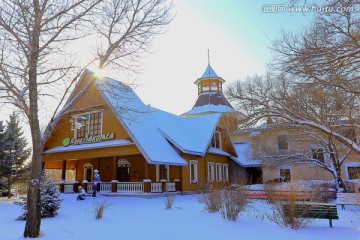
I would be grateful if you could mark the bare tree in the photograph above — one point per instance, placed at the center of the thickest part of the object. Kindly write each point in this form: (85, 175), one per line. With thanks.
(37, 64)
(314, 78)
(321, 151)
(327, 52)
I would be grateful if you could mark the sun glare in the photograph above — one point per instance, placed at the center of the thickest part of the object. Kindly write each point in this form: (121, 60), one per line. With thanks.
(100, 73)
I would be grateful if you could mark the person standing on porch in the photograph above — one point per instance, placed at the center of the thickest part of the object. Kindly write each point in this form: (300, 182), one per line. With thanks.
(96, 181)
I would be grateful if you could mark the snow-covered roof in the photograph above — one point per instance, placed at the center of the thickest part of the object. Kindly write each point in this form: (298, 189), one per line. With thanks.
(112, 143)
(219, 152)
(209, 73)
(210, 108)
(190, 135)
(243, 158)
(140, 122)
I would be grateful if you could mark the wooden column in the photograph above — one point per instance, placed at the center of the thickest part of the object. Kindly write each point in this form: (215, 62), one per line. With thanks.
(146, 170)
(63, 170)
(115, 168)
(181, 179)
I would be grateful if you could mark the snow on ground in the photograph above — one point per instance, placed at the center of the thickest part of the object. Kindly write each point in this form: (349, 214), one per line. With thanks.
(131, 218)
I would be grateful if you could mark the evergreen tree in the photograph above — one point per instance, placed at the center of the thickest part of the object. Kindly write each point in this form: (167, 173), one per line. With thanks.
(49, 199)
(14, 153)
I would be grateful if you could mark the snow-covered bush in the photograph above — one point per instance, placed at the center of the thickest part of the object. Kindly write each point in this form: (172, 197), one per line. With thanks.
(211, 197)
(49, 199)
(283, 205)
(233, 201)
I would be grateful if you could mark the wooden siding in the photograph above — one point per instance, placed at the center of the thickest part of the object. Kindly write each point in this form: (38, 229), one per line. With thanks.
(202, 170)
(91, 100)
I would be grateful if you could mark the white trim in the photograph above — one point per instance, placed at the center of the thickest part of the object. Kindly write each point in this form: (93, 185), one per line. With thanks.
(226, 172)
(350, 164)
(218, 172)
(196, 179)
(213, 137)
(210, 173)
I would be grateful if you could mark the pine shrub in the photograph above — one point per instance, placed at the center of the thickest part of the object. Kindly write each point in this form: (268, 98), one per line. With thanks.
(49, 199)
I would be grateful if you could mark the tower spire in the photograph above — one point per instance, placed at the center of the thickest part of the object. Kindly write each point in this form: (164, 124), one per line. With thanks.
(208, 57)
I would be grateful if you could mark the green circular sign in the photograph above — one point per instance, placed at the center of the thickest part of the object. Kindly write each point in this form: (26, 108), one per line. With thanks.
(66, 142)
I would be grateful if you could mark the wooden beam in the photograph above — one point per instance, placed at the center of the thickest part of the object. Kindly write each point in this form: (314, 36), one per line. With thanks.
(63, 170)
(115, 168)
(146, 170)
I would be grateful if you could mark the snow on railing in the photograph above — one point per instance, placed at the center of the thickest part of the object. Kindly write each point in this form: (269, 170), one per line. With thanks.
(170, 187)
(130, 187)
(156, 187)
(68, 188)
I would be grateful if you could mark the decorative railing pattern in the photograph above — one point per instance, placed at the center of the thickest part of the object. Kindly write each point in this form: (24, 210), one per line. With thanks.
(89, 187)
(130, 187)
(156, 187)
(170, 187)
(68, 188)
(105, 187)
(138, 187)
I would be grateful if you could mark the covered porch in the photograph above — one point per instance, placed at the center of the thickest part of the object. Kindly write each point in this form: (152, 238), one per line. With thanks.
(119, 174)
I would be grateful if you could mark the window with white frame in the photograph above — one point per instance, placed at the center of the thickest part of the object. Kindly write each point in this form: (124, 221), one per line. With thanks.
(88, 124)
(226, 172)
(216, 140)
(162, 172)
(218, 172)
(193, 171)
(318, 154)
(282, 143)
(211, 171)
(285, 173)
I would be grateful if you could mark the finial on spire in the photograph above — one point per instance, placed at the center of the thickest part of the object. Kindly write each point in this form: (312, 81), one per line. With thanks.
(208, 57)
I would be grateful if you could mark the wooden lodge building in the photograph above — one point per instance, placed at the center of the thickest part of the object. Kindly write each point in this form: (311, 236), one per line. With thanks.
(138, 148)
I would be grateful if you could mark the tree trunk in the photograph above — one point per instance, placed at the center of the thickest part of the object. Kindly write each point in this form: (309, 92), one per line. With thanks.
(9, 186)
(33, 219)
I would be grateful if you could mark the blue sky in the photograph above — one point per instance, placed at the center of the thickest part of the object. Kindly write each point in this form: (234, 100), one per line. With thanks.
(237, 33)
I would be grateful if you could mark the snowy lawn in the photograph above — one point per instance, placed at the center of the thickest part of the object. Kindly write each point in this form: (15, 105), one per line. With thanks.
(137, 218)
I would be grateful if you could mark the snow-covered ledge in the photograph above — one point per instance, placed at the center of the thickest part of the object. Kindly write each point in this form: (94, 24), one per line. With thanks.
(114, 181)
(147, 180)
(75, 181)
(85, 181)
(163, 180)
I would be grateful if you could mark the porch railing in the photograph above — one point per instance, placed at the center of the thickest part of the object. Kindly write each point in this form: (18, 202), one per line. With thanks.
(170, 187)
(156, 187)
(130, 187)
(68, 188)
(138, 187)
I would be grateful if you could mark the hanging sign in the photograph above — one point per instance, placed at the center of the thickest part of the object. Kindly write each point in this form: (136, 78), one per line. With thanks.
(90, 139)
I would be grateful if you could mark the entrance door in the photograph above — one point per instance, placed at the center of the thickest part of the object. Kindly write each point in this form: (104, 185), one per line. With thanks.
(123, 174)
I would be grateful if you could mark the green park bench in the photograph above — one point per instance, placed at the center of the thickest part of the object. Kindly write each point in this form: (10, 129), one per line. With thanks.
(314, 210)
